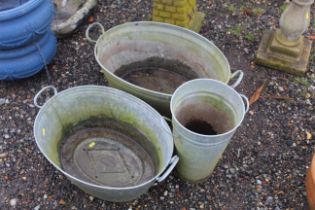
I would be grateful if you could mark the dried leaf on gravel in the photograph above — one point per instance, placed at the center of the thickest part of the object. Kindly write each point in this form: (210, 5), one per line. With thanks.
(248, 11)
(62, 202)
(257, 94)
(308, 135)
(280, 97)
(90, 19)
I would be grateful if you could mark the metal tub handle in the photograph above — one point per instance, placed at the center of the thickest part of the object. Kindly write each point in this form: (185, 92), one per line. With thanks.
(41, 91)
(88, 30)
(170, 168)
(174, 159)
(246, 102)
(240, 75)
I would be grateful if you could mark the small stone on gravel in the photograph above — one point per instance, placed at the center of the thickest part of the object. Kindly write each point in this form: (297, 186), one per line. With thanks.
(269, 200)
(281, 89)
(165, 193)
(3, 155)
(37, 207)
(289, 143)
(4, 101)
(13, 202)
(91, 198)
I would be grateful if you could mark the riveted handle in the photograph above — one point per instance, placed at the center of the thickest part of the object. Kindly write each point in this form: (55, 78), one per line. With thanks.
(40, 92)
(89, 28)
(245, 99)
(240, 75)
(170, 168)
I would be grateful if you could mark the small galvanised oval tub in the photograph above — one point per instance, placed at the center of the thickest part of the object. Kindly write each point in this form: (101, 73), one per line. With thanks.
(113, 169)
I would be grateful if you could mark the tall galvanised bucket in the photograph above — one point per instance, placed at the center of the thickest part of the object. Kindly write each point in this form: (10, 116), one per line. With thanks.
(158, 45)
(206, 114)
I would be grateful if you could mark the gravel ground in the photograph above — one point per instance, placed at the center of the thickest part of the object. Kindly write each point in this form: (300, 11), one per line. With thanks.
(263, 167)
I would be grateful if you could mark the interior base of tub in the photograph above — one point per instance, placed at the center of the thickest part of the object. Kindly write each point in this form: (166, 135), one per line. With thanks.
(107, 153)
(158, 74)
(206, 114)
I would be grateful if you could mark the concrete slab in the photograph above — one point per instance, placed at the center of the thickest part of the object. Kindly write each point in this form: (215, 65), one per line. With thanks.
(290, 61)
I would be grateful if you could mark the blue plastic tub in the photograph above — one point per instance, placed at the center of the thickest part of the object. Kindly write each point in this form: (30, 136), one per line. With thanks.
(25, 22)
(26, 61)
(26, 49)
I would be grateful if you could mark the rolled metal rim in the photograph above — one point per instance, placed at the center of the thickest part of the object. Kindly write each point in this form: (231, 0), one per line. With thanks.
(157, 24)
(240, 96)
(43, 109)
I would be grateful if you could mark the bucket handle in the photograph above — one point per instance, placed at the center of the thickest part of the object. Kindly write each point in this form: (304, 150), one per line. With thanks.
(41, 91)
(87, 32)
(167, 119)
(164, 121)
(240, 74)
(246, 102)
(170, 168)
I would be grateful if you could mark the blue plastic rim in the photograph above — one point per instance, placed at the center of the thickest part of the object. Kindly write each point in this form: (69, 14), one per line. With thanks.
(20, 10)
(23, 24)
(6, 5)
(26, 49)
(29, 64)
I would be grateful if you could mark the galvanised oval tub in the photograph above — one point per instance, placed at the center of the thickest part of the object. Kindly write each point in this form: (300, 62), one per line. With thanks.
(138, 41)
(70, 107)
